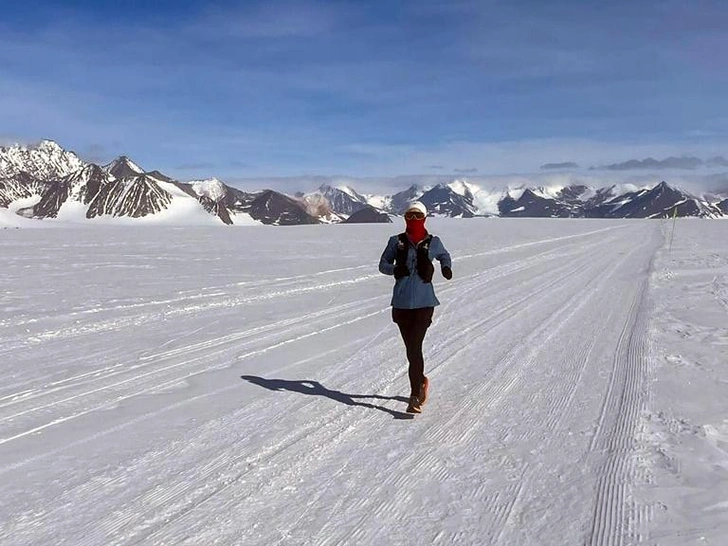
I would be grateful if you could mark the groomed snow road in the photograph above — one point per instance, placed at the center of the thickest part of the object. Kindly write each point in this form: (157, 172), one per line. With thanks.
(245, 386)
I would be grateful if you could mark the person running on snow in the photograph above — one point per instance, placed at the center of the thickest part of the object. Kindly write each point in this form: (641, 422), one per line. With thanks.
(408, 256)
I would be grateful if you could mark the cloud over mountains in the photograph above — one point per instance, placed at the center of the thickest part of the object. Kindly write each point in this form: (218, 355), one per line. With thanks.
(559, 166)
(669, 163)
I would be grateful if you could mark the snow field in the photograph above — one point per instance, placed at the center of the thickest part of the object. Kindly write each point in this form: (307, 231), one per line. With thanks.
(684, 434)
(246, 386)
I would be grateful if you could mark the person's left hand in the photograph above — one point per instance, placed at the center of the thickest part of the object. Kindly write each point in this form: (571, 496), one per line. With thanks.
(447, 272)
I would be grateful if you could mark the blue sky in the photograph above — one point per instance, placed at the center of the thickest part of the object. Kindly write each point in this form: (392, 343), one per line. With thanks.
(251, 89)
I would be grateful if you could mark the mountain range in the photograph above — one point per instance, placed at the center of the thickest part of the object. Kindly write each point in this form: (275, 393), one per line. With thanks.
(47, 181)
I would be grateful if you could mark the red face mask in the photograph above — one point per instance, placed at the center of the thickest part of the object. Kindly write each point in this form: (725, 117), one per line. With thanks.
(416, 229)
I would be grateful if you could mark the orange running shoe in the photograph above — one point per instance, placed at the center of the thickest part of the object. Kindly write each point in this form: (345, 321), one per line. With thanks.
(424, 388)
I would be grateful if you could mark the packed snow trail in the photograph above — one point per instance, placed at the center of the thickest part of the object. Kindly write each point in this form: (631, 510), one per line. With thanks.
(246, 386)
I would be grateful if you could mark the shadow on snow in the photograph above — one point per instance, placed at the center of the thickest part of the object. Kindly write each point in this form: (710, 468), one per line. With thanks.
(317, 389)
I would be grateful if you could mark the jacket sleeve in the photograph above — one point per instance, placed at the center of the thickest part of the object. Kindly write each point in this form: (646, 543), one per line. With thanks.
(386, 262)
(441, 253)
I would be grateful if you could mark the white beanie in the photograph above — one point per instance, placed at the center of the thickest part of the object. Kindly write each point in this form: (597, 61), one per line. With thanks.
(416, 205)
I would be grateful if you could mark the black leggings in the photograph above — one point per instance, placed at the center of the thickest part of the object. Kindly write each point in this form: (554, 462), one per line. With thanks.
(413, 324)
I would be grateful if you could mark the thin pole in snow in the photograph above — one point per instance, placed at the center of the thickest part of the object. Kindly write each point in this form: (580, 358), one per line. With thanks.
(672, 235)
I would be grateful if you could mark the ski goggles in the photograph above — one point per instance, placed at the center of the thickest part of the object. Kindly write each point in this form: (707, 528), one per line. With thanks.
(413, 215)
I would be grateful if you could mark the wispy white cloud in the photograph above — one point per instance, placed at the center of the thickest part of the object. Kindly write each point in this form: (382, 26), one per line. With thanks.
(515, 156)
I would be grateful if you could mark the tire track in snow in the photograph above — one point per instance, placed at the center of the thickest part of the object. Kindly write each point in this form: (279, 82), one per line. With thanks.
(615, 513)
(720, 290)
(96, 327)
(515, 302)
(220, 472)
(274, 330)
(576, 361)
(202, 293)
(226, 471)
(177, 380)
(540, 242)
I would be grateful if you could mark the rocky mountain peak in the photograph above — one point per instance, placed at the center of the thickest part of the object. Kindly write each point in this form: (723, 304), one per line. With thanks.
(49, 146)
(46, 160)
(123, 167)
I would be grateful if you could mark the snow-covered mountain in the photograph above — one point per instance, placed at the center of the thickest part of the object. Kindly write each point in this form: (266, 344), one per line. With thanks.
(580, 201)
(532, 203)
(343, 200)
(445, 200)
(661, 201)
(19, 187)
(271, 207)
(45, 161)
(47, 181)
(398, 201)
(123, 167)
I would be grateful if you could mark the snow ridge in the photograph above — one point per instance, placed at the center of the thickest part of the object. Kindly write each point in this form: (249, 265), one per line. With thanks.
(45, 161)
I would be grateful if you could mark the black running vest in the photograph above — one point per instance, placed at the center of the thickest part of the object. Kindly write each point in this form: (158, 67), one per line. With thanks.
(424, 265)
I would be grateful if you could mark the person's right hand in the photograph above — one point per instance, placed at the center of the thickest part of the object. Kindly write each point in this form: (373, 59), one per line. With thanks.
(400, 271)
(447, 273)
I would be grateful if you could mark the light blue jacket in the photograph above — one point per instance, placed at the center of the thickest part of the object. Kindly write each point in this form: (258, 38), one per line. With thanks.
(412, 292)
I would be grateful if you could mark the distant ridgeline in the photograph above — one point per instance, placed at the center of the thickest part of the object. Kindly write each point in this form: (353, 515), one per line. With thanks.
(46, 181)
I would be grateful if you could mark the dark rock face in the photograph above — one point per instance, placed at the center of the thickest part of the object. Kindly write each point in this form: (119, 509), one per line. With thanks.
(237, 200)
(723, 206)
(52, 200)
(531, 205)
(135, 196)
(444, 201)
(369, 215)
(123, 167)
(216, 208)
(160, 176)
(573, 194)
(271, 207)
(402, 199)
(85, 184)
(20, 186)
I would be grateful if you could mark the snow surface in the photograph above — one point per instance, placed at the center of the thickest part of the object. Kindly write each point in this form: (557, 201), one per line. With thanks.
(212, 386)
(8, 219)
